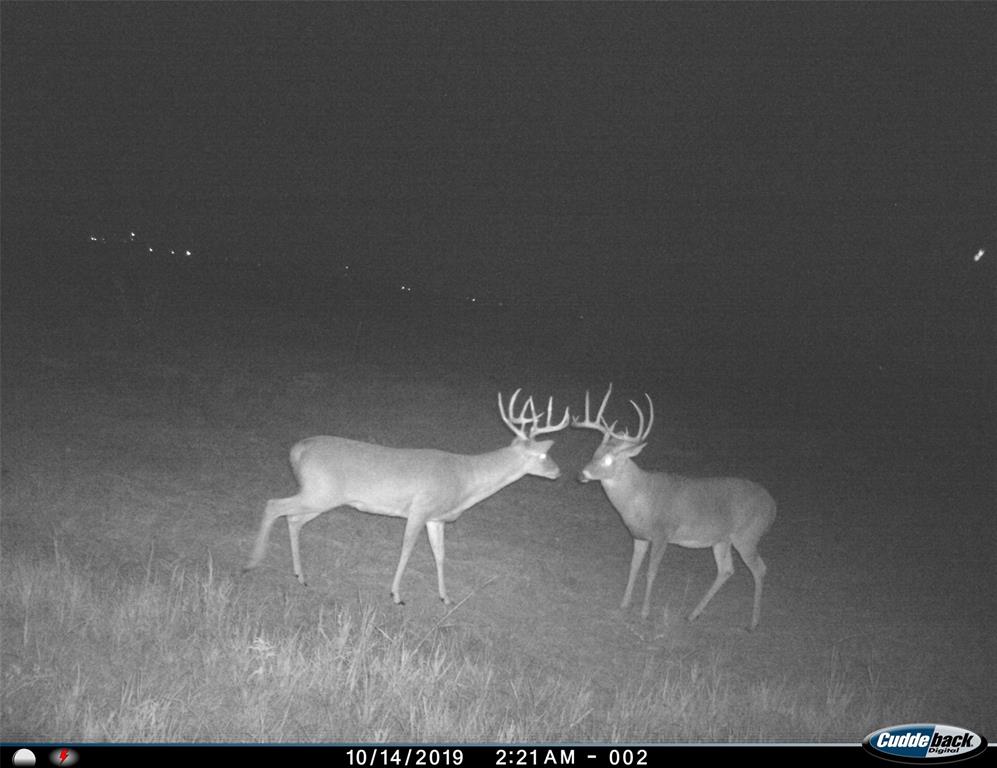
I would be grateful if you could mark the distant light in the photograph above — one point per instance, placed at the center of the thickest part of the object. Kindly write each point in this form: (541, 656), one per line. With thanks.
(187, 253)
(979, 255)
(173, 253)
(473, 298)
(93, 238)
(150, 250)
(132, 235)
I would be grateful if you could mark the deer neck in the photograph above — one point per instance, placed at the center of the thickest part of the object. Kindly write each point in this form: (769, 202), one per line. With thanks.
(629, 482)
(489, 473)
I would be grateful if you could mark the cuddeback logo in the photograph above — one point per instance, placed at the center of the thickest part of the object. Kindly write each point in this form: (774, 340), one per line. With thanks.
(917, 743)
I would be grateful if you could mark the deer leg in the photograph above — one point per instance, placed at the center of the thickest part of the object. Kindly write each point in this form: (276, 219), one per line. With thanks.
(757, 567)
(272, 511)
(275, 508)
(413, 526)
(294, 523)
(657, 552)
(640, 549)
(725, 567)
(434, 528)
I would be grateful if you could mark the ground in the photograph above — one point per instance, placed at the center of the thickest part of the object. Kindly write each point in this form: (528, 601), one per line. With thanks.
(880, 566)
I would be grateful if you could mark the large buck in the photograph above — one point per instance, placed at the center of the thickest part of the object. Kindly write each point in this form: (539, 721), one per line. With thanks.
(660, 508)
(426, 487)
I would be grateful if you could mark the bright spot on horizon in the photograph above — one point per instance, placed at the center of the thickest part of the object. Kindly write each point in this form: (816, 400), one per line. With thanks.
(979, 255)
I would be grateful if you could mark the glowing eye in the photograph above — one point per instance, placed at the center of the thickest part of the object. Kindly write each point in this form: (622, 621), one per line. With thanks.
(607, 460)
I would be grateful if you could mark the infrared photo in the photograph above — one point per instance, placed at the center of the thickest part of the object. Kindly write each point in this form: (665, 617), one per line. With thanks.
(676, 321)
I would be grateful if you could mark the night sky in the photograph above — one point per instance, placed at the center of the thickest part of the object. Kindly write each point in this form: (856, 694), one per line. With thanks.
(675, 157)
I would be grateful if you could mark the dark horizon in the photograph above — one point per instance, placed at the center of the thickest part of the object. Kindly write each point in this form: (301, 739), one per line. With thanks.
(799, 189)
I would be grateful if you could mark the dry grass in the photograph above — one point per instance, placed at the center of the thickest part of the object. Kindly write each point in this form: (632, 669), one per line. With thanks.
(135, 470)
(184, 654)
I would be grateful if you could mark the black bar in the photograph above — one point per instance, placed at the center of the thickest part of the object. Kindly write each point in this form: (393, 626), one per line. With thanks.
(83, 755)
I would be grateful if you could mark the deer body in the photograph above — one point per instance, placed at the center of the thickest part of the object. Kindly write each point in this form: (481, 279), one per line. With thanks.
(449, 483)
(426, 487)
(690, 512)
(659, 508)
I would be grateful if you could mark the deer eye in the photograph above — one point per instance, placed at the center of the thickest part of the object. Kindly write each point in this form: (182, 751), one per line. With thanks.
(606, 460)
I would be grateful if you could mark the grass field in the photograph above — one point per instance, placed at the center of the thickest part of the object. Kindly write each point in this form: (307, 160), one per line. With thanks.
(139, 450)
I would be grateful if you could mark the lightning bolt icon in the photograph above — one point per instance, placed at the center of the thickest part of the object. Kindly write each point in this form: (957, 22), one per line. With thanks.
(63, 755)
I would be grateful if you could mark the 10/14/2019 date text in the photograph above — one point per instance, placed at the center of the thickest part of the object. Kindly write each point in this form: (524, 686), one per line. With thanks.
(500, 757)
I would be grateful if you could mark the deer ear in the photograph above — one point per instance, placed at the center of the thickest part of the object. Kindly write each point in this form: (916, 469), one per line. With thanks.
(632, 450)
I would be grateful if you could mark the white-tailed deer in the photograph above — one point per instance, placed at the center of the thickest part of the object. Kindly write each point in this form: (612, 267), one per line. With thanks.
(661, 509)
(426, 487)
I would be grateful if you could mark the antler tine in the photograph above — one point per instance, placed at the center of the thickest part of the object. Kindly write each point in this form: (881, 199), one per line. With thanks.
(640, 426)
(509, 418)
(642, 434)
(528, 417)
(538, 430)
(609, 430)
(538, 416)
(578, 421)
(532, 418)
(598, 423)
(602, 408)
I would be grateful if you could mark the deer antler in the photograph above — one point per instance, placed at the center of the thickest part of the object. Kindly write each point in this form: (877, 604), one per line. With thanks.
(518, 423)
(608, 431)
(536, 429)
(513, 422)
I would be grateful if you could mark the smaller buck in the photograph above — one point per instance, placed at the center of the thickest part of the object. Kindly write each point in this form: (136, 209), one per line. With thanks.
(426, 487)
(661, 509)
